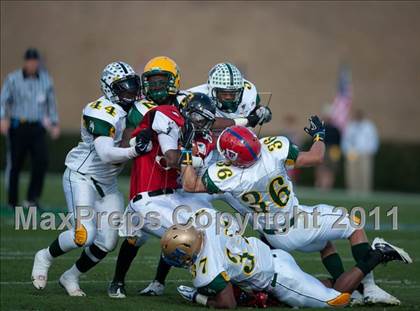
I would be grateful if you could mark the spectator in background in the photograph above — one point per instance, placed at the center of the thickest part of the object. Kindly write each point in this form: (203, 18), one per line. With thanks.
(27, 110)
(326, 172)
(359, 144)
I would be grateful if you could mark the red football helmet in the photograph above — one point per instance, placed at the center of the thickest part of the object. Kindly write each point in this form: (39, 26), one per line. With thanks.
(239, 145)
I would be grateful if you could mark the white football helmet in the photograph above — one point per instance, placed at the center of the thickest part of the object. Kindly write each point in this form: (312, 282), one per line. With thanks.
(120, 84)
(226, 86)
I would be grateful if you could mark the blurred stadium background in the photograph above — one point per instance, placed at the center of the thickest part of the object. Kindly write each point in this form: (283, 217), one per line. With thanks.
(292, 49)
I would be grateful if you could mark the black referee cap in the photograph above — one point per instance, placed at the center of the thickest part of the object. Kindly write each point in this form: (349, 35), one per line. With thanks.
(31, 53)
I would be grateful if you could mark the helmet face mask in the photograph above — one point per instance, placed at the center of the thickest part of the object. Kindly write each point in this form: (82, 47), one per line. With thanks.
(127, 89)
(156, 86)
(227, 100)
(120, 84)
(200, 110)
(226, 86)
(160, 79)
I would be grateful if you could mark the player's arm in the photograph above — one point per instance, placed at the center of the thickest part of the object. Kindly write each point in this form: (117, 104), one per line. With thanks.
(104, 131)
(224, 299)
(108, 153)
(191, 182)
(315, 155)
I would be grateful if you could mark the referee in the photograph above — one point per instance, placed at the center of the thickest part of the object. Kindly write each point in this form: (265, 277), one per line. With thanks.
(27, 110)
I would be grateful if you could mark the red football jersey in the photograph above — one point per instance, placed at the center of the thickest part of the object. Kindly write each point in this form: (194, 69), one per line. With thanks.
(148, 173)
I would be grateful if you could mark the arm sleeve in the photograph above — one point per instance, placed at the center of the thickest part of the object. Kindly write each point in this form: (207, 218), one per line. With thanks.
(52, 104)
(167, 130)
(5, 98)
(292, 155)
(109, 153)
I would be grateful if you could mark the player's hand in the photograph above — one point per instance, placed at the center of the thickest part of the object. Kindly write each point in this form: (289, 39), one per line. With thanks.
(259, 116)
(316, 128)
(143, 141)
(187, 135)
(265, 114)
(188, 293)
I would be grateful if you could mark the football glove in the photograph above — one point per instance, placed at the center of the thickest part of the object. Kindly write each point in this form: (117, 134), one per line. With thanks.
(188, 293)
(143, 142)
(259, 116)
(316, 128)
(187, 135)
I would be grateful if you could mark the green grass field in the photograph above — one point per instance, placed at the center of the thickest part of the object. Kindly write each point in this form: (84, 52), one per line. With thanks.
(18, 247)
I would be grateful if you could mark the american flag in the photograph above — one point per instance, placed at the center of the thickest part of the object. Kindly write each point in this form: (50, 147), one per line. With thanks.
(340, 109)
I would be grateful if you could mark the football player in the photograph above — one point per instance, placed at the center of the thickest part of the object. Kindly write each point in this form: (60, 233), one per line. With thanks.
(238, 103)
(154, 185)
(237, 100)
(90, 179)
(219, 260)
(255, 172)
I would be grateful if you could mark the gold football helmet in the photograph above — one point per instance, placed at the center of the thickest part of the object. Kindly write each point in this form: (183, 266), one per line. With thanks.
(160, 79)
(180, 246)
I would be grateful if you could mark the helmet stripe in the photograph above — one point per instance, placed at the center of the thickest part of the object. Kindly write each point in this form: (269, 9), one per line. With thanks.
(245, 143)
(230, 73)
(123, 67)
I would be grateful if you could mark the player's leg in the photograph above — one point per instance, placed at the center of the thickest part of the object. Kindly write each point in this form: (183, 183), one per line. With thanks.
(105, 241)
(79, 193)
(169, 203)
(296, 288)
(360, 248)
(39, 157)
(382, 252)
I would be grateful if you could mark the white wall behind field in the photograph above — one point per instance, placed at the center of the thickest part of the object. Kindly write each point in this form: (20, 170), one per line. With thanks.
(292, 50)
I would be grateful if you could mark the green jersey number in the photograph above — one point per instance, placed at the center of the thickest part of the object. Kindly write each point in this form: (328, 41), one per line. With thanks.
(278, 191)
(245, 259)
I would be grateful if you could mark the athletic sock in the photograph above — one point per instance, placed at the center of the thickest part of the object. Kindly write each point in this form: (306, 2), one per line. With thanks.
(162, 271)
(373, 258)
(126, 255)
(89, 258)
(334, 265)
(360, 251)
(54, 249)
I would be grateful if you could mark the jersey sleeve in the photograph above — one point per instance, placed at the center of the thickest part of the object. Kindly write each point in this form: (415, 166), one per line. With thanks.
(208, 271)
(137, 112)
(282, 149)
(209, 183)
(100, 118)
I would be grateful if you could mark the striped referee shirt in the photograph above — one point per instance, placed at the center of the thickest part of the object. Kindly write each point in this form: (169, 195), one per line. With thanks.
(28, 98)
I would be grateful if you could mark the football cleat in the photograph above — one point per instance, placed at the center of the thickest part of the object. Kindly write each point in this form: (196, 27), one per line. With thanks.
(390, 252)
(373, 294)
(117, 290)
(154, 289)
(356, 299)
(42, 263)
(71, 284)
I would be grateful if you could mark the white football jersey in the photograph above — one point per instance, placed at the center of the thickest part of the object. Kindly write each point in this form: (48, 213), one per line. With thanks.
(99, 118)
(265, 186)
(246, 262)
(250, 99)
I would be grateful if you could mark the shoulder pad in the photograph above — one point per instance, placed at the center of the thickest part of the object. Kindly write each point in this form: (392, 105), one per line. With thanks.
(278, 146)
(102, 109)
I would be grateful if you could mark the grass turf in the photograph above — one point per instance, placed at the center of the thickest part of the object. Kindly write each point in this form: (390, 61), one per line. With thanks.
(18, 247)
